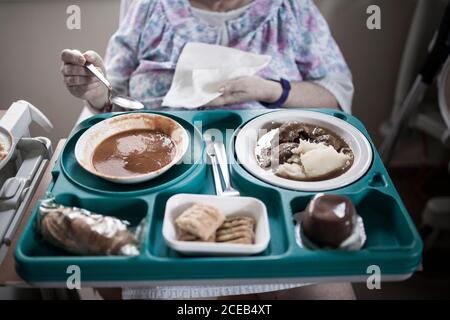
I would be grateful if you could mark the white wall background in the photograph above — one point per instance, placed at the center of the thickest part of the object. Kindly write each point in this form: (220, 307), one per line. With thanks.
(32, 34)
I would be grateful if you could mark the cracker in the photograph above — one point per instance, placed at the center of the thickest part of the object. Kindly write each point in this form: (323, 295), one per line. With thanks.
(238, 221)
(242, 228)
(200, 220)
(186, 236)
(233, 236)
(237, 229)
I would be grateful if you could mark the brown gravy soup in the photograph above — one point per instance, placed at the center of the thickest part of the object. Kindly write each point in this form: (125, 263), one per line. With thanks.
(134, 152)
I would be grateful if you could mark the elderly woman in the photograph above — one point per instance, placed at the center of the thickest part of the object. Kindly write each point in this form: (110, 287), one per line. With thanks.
(142, 55)
(307, 68)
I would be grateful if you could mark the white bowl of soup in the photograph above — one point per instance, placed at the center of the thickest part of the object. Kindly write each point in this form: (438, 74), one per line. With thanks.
(132, 147)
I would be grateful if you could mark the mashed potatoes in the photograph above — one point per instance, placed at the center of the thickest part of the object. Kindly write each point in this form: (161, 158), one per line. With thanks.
(314, 161)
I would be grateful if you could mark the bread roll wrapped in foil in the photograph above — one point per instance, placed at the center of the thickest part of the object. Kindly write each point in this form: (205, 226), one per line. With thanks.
(82, 232)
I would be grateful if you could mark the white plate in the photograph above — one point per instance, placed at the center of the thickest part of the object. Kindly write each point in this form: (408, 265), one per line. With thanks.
(89, 140)
(229, 207)
(247, 138)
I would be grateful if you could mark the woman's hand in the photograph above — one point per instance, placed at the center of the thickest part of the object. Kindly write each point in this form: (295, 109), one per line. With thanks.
(243, 89)
(79, 81)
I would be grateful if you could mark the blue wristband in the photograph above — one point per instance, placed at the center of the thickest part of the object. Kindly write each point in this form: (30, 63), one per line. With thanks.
(286, 86)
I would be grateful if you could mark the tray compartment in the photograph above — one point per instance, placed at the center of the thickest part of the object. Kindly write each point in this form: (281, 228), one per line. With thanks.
(279, 225)
(391, 241)
(382, 217)
(278, 245)
(132, 210)
(84, 179)
(384, 222)
(220, 119)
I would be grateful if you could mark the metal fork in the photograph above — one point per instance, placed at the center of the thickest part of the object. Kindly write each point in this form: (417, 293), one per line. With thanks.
(213, 158)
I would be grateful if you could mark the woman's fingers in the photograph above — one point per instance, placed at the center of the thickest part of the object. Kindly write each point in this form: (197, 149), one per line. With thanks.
(79, 81)
(73, 57)
(86, 88)
(94, 58)
(74, 61)
(234, 91)
(230, 98)
(96, 93)
(71, 81)
(74, 70)
(237, 97)
(233, 86)
(250, 88)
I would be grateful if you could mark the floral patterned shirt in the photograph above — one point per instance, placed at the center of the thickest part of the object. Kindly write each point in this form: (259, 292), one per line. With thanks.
(142, 55)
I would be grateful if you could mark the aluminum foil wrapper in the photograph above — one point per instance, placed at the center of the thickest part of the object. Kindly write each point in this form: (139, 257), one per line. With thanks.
(82, 232)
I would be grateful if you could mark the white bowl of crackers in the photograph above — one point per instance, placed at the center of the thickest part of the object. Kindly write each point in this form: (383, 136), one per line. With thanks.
(214, 225)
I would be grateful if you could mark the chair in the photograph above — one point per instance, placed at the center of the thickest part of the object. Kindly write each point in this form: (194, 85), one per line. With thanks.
(419, 116)
(422, 53)
(436, 214)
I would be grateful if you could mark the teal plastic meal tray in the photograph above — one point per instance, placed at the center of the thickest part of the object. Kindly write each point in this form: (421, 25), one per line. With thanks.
(393, 243)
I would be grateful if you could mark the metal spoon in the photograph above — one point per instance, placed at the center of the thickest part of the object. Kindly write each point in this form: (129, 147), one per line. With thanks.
(215, 167)
(221, 154)
(119, 100)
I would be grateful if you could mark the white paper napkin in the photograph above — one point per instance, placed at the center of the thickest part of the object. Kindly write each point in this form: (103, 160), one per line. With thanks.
(202, 68)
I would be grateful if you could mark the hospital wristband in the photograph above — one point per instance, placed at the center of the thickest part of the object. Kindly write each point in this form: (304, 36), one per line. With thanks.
(286, 87)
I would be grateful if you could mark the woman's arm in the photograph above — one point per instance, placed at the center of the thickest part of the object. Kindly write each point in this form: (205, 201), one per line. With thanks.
(302, 94)
(79, 81)
(318, 57)
(121, 58)
(327, 80)
(255, 88)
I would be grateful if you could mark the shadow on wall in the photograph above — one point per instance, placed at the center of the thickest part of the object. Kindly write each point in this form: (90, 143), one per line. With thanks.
(34, 32)
(374, 56)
